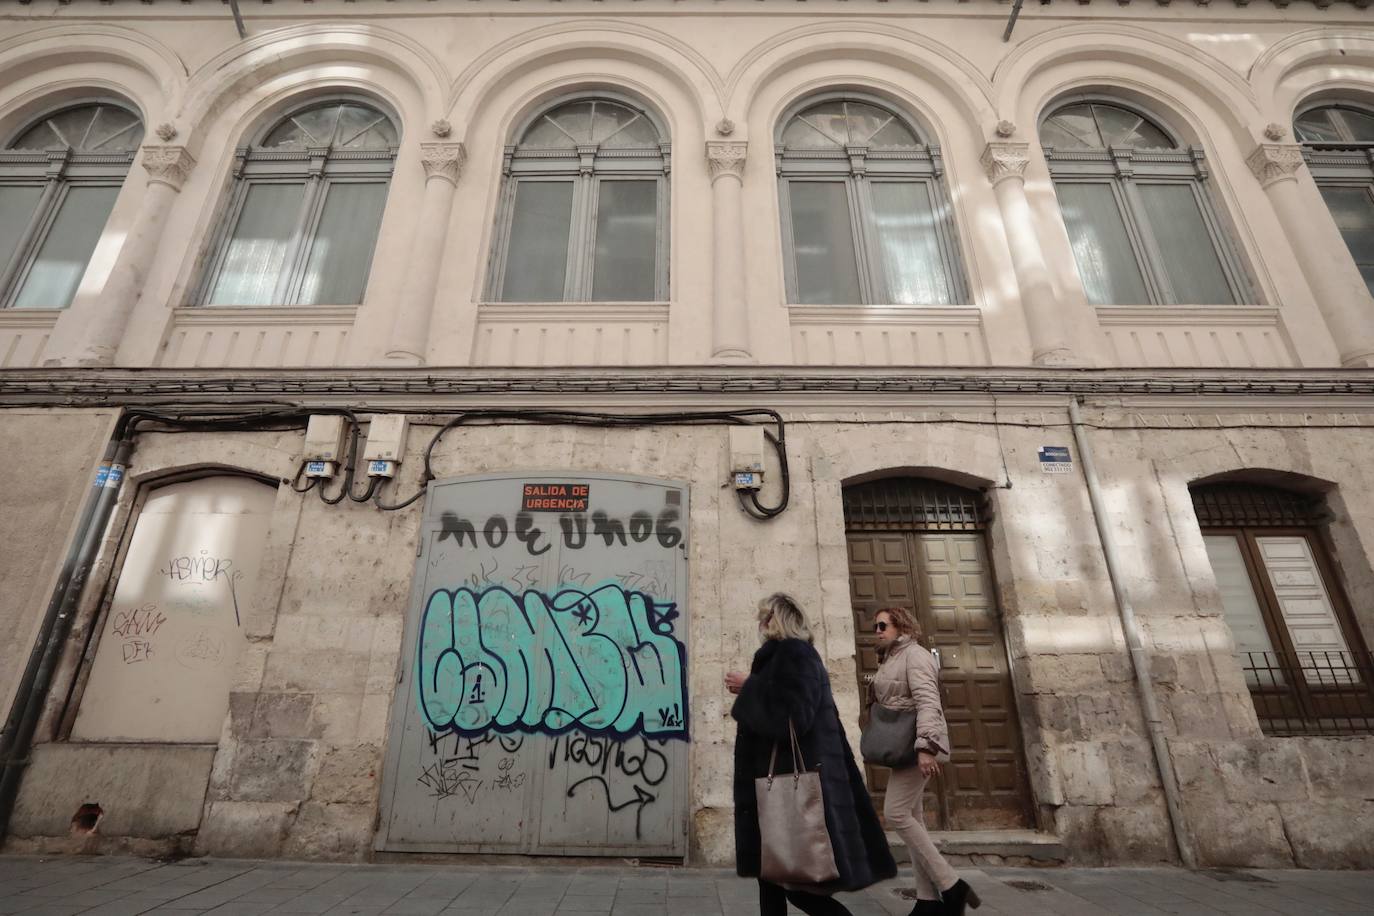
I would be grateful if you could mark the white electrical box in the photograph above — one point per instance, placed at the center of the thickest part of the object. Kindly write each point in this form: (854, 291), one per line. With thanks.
(746, 457)
(386, 437)
(324, 438)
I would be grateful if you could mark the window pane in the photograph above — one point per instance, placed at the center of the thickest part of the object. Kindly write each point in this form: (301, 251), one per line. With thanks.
(16, 209)
(537, 253)
(1316, 127)
(1071, 128)
(908, 246)
(823, 243)
(626, 242)
(1239, 604)
(56, 273)
(1126, 128)
(1360, 124)
(258, 246)
(1190, 255)
(1101, 246)
(1353, 210)
(341, 252)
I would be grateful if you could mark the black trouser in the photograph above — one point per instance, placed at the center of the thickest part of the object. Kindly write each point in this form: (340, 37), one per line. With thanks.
(773, 901)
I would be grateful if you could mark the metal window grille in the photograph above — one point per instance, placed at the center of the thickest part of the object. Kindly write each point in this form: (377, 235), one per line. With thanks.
(903, 504)
(1319, 693)
(1234, 506)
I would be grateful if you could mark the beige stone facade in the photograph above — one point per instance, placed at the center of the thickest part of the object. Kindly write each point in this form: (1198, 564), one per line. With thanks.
(1274, 389)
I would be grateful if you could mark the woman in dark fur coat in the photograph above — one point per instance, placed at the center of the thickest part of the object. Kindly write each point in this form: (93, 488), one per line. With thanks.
(788, 680)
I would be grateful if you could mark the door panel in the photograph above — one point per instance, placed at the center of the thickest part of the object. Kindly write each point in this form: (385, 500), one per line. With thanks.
(944, 576)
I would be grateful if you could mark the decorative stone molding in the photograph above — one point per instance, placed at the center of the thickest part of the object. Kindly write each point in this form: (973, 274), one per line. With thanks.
(725, 127)
(726, 158)
(1275, 131)
(1273, 162)
(167, 165)
(1005, 129)
(443, 160)
(166, 132)
(1006, 160)
(441, 128)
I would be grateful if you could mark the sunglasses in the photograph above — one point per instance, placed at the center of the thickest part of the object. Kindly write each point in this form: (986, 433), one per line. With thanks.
(880, 627)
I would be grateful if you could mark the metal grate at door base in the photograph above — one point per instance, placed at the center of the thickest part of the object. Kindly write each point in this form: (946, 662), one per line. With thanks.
(1235, 505)
(904, 504)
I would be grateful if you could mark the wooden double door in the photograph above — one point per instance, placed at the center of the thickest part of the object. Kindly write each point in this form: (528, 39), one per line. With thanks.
(945, 578)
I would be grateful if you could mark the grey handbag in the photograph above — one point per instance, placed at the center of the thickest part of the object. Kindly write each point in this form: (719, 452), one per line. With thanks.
(889, 739)
(794, 843)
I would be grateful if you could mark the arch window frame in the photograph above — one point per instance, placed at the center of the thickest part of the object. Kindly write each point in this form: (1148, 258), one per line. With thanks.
(1339, 167)
(1126, 171)
(587, 167)
(860, 168)
(317, 170)
(55, 173)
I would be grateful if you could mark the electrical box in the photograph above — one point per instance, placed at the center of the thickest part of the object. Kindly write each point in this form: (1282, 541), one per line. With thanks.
(746, 457)
(325, 438)
(386, 442)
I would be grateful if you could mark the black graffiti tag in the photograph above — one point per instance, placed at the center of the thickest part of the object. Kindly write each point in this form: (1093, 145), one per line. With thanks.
(496, 530)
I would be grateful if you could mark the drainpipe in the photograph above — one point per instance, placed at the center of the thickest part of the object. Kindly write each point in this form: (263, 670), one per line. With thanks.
(1140, 662)
(29, 699)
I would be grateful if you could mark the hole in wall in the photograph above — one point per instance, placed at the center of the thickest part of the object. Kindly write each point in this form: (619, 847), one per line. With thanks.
(86, 818)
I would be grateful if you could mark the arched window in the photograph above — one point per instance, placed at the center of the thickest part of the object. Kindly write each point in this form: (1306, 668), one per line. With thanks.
(306, 204)
(58, 183)
(864, 216)
(1339, 148)
(1138, 211)
(584, 212)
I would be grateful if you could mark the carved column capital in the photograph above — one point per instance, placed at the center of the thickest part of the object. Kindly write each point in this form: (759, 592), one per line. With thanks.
(1003, 160)
(169, 165)
(443, 160)
(1273, 162)
(726, 157)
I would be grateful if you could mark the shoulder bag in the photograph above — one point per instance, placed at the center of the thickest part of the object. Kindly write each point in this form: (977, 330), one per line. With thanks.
(889, 739)
(795, 845)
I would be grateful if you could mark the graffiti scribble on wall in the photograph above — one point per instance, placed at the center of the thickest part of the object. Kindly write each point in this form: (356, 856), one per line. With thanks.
(603, 660)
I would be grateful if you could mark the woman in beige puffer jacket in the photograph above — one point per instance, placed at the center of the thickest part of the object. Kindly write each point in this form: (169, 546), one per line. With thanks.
(909, 678)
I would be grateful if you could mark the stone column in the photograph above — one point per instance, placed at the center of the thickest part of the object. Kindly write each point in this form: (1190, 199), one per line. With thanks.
(443, 163)
(1005, 163)
(1342, 296)
(729, 306)
(167, 168)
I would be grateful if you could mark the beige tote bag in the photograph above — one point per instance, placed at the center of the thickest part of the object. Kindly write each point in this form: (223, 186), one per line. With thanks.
(794, 842)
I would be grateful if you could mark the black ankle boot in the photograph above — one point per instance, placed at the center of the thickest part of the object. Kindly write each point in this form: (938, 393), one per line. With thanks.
(927, 908)
(958, 896)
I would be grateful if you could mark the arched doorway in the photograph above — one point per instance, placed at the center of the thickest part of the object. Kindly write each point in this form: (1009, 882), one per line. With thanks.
(920, 544)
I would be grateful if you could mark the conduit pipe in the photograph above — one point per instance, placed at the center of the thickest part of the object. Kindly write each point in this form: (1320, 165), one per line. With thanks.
(1140, 662)
(29, 699)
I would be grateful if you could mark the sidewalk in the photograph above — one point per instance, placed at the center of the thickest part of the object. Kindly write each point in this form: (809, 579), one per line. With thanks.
(113, 886)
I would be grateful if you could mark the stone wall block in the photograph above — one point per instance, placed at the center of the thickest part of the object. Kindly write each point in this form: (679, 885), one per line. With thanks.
(247, 830)
(334, 717)
(1227, 834)
(1267, 770)
(1340, 767)
(324, 671)
(373, 716)
(274, 770)
(1085, 772)
(330, 831)
(1135, 778)
(713, 836)
(1081, 833)
(348, 774)
(1136, 834)
(282, 715)
(1330, 834)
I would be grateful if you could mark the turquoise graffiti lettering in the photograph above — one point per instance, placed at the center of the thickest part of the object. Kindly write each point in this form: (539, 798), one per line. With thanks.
(603, 660)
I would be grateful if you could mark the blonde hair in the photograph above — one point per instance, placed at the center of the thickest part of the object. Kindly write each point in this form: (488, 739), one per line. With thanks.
(782, 618)
(903, 620)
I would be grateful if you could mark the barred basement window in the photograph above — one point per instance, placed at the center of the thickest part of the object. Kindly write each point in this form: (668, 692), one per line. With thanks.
(1137, 208)
(1338, 143)
(584, 210)
(58, 183)
(304, 212)
(865, 219)
(1304, 661)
